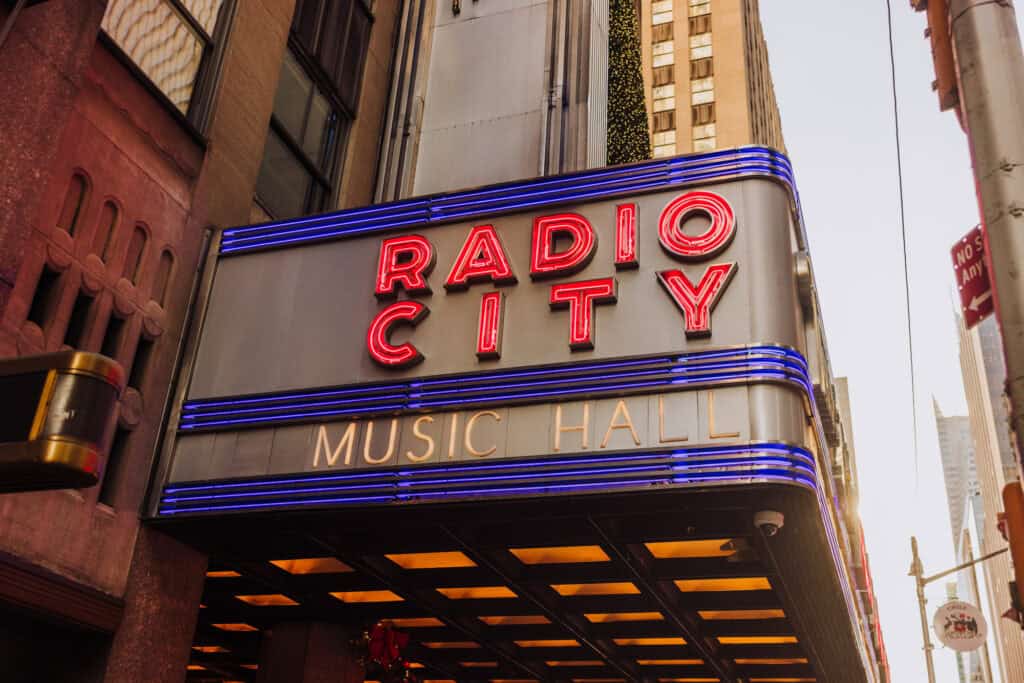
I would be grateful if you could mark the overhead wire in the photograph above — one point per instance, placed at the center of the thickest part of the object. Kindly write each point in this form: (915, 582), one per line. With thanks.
(903, 238)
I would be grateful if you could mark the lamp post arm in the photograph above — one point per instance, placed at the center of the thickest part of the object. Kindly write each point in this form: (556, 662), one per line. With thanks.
(935, 577)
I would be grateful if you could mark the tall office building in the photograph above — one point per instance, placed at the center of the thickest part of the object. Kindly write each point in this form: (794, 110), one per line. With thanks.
(956, 446)
(706, 75)
(980, 379)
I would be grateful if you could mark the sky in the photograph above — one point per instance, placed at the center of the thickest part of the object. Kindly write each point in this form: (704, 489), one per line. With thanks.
(831, 68)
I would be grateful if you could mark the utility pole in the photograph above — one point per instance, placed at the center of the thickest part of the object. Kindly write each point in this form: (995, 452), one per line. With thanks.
(917, 571)
(990, 69)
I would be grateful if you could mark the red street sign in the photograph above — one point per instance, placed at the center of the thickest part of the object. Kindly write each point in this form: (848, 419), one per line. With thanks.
(972, 277)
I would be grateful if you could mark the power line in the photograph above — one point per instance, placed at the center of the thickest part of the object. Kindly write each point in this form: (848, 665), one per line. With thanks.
(903, 237)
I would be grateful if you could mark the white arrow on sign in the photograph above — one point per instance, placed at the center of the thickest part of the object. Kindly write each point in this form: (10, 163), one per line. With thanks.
(978, 300)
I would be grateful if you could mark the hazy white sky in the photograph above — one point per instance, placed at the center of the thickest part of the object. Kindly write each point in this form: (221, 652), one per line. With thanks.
(830, 62)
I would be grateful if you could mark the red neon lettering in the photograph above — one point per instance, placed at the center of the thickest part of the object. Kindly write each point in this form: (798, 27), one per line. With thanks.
(696, 303)
(711, 241)
(405, 261)
(377, 338)
(625, 236)
(488, 336)
(580, 298)
(481, 258)
(544, 261)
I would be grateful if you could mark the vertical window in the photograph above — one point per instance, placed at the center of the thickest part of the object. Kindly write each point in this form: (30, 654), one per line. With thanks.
(314, 105)
(664, 75)
(140, 363)
(175, 43)
(136, 250)
(112, 337)
(664, 120)
(163, 277)
(661, 32)
(112, 470)
(105, 229)
(75, 333)
(74, 203)
(45, 297)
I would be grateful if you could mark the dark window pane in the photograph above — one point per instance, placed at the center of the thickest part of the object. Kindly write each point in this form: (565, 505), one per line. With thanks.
(74, 202)
(701, 68)
(44, 298)
(351, 71)
(292, 98)
(663, 75)
(664, 120)
(140, 364)
(133, 259)
(700, 24)
(112, 468)
(332, 35)
(662, 32)
(304, 22)
(112, 337)
(105, 229)
(320, 117)
(79, 317)
(283, 182)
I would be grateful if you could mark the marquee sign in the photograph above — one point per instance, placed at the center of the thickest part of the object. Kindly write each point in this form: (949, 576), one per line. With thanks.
(624, 319)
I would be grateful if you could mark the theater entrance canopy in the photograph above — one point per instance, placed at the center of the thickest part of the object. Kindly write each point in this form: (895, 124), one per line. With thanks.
(564, 429)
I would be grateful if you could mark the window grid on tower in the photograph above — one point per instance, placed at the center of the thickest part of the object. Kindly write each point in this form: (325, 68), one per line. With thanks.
(702, 82)
(663, 90)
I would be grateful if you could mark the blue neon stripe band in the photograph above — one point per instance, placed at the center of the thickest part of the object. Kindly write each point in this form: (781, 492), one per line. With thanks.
(745, 365)
(587, 185)
(731, 464)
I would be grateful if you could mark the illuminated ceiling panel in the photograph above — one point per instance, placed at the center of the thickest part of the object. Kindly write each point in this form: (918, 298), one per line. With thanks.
(547, 643)
(574, 662)
(756, 640)
(269, 600)
(772, 660)
(613, 617)
(366, 596)
(649, 641)
(222, 574)
(415, 622)
(670, 662)
(619, 588)
(717, 585)
(453, 645)
(209, 649)
(313, 565)
(440, 560)
(716, 547)
(560, 555)
(477, 592)
(235, 627)
(740, 614)
(520, 620)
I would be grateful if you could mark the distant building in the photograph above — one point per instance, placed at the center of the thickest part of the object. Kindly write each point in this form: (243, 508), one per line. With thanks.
(983, 378)
(707, 77)
(956, 446)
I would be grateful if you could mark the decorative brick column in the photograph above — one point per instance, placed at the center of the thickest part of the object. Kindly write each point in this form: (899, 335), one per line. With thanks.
(165, 585)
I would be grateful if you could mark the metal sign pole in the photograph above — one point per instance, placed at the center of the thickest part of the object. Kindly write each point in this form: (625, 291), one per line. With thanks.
(991, 68)
(917, 571)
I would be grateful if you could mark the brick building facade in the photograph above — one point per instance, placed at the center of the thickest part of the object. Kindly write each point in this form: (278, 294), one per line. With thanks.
(139, 127)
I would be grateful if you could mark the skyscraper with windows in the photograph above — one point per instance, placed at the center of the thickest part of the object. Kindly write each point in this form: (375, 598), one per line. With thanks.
(706, 75)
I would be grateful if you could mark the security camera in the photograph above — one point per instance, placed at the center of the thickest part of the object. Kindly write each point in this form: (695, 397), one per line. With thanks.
(769, 521)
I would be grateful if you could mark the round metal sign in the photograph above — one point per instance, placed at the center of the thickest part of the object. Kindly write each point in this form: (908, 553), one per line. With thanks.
(960, 626)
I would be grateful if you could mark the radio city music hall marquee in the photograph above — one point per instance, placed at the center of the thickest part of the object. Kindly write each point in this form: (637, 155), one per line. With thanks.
(597, 314)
